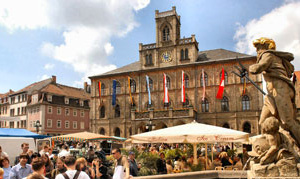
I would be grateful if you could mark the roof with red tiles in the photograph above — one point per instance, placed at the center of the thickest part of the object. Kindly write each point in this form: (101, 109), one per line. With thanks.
(34, 86)
(68, 91)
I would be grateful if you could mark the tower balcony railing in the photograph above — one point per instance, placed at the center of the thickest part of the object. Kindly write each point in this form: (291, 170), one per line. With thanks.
(149, 46)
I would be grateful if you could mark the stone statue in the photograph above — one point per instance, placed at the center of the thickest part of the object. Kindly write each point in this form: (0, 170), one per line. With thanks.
(277, 70)
(278, 121)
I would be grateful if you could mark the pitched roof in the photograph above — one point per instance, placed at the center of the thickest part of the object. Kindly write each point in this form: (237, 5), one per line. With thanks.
(6, 94)
(219, 55)
(68, 91)
(203, 56)
(34, 86)
(135, 66)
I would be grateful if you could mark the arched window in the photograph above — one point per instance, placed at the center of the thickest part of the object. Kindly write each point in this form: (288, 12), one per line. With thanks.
(205, 78)
(186, 80)
(186, 56)
(186, 103)
(224, 104)
(205, 105)
(117, 132)
(117, 111)
(166, 34)
(245, 103)
(243, 78)
(247, 127)
(150, 85)
(147, 59)
(102, 112)
(102, 89)
(182, 54)
(118, 88)
(102, 131)
(168, 82)
(132, 86)
(150, 59)
(226, 125)
(225, 77)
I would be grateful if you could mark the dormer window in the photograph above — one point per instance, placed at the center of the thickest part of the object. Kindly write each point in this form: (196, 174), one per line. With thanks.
(66, 100)
(166, 34)
(49, 98)
(81, 102)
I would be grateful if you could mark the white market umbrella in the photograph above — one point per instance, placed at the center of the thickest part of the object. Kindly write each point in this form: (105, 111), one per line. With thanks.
(191, 133)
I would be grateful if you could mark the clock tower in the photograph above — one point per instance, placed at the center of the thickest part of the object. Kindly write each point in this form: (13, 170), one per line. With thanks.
(169, 49)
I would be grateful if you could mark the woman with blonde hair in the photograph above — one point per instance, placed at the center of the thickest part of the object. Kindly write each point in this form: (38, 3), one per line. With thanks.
(81, 165)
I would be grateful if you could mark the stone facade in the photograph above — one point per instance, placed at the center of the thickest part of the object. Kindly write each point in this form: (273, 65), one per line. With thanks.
(172, 55)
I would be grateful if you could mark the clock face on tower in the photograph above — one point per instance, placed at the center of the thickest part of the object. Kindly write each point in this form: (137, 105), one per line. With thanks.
(166, 56)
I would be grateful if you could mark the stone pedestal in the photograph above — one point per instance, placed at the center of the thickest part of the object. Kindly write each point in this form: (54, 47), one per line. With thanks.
(283, 168)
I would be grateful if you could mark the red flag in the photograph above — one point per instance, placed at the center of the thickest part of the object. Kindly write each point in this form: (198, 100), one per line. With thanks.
(166, 93)
(182, 88)
(221, 86)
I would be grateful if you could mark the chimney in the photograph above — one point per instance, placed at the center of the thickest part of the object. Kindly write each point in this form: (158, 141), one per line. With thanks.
(53, 78)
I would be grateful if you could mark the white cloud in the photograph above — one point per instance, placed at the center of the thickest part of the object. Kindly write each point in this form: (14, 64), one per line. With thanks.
(49, 66)
(108, 48)
(44, 77)
(281, 24)
(87, 27)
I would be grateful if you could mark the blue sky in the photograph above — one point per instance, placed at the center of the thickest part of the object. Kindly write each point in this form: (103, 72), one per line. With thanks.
(76, 39)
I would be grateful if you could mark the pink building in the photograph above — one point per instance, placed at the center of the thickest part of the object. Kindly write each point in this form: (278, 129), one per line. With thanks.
(59, 109)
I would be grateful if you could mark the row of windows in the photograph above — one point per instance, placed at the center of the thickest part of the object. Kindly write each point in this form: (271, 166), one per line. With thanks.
(67, 101)
(67, 111)
(18, 99)
(3, 100)
(67, 124)
(225, 104)
(204, 105)
(3, 110)
(20, 111)
(186, 78)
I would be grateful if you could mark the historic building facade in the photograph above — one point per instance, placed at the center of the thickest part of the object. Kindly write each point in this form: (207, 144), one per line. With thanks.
(60, 109)
(171, 54)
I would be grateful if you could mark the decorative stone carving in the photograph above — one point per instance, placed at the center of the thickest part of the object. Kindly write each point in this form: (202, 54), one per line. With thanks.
(275, 153)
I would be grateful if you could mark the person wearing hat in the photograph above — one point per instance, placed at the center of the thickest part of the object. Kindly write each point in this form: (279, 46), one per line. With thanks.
(133, 167)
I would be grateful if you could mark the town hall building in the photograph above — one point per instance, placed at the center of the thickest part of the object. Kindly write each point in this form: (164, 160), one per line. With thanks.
(173, 55)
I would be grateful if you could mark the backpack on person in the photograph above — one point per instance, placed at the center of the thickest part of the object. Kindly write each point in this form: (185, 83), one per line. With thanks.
(75, 176)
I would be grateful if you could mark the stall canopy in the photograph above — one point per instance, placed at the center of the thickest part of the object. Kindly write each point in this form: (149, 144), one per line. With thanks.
(11, 132)
(191, 133)
(82, 137)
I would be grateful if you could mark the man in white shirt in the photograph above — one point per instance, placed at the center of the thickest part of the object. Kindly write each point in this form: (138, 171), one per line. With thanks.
(71, 172)
(64, 152)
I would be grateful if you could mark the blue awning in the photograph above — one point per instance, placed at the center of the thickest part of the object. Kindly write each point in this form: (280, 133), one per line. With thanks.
(11, 132)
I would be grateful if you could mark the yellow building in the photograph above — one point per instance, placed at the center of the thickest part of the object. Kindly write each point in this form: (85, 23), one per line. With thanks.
(171, 54)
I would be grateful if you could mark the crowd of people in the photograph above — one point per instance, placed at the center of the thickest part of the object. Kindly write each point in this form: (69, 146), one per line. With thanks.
(63, 165)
